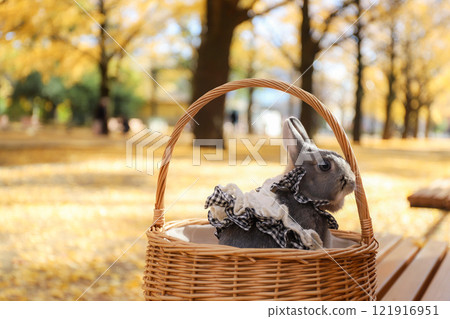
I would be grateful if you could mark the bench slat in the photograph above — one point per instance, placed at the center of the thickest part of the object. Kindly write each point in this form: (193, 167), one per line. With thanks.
(387, 242)
(439, 288)
(392, 265)
(413, 281)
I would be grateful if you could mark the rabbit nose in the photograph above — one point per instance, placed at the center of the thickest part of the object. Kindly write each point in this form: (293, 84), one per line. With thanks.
(345, 180)
(351, 182)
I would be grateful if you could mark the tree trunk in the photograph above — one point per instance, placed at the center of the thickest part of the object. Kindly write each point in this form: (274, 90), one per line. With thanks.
(212, 70)
(406, 118)
(310, 49)
(50, 115)
(357, 120)
(416, 122)
(154, 89)
(387, 130)
(249, 110)
(294, 106)
(250, 74)
(408, 93)
(428, 123)
(101, 112)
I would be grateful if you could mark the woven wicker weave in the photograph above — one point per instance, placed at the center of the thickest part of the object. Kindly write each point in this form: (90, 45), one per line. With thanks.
(179, 270)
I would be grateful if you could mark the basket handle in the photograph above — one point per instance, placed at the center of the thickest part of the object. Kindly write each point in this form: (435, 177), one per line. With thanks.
(361, 200)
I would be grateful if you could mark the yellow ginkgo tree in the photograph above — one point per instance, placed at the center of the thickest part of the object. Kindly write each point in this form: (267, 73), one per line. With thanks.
(70, 38)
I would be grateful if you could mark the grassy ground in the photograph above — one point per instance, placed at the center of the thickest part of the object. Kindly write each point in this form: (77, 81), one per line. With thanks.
(69, 206)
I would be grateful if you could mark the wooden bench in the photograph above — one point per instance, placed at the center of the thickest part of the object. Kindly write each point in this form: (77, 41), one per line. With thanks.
(437, 195)
(408, 270)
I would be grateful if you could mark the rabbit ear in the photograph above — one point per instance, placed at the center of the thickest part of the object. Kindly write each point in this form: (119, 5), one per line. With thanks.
(296, 128)
(294, 137)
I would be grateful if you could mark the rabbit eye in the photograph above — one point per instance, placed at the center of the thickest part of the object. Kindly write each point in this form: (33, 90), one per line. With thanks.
(325, 165)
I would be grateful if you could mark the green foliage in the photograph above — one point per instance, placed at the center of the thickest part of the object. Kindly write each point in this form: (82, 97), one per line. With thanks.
(54, 90)
(2, 106)
(31, 92)
(29, 87)
(76, 102)
(18, 109)
(23, 96)
(83, 98)
(124, 101)
(64, 112)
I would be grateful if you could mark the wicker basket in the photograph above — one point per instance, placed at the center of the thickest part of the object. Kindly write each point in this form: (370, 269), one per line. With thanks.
(180, 270)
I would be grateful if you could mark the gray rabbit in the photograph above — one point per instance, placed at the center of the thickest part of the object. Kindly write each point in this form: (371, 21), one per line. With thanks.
(317, 181)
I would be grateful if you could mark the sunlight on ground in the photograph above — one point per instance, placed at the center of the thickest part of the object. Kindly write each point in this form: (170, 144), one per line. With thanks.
(69, 207)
